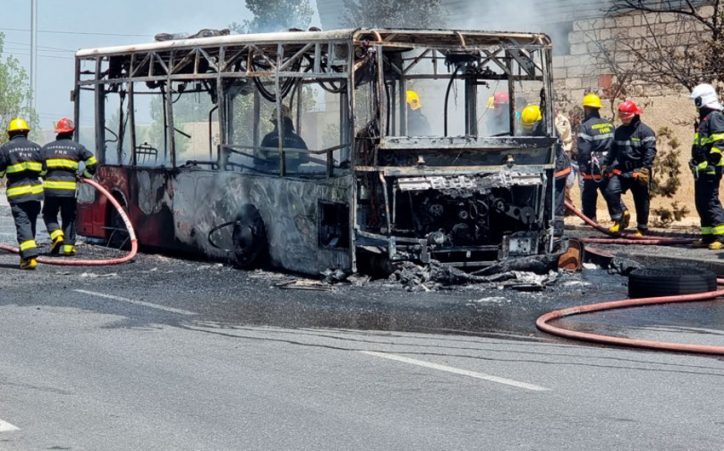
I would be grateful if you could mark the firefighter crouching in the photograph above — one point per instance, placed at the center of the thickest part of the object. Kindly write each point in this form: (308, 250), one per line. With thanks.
(706, 165)
(594, 142)
(533, 125)
(629, 164)
(21, 162)
(62, 159)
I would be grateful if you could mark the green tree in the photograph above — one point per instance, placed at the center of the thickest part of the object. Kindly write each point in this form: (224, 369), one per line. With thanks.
(15, 93)
(394, 14)
(275, 15)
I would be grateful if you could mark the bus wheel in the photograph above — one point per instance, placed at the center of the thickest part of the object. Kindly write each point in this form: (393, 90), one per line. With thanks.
(249, 238)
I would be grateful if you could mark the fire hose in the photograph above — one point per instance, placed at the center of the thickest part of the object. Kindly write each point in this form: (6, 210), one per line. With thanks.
(622, 238)
(542, 323)
(102, 262)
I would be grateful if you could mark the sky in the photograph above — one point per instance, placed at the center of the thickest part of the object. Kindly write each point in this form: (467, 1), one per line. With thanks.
(65, 26)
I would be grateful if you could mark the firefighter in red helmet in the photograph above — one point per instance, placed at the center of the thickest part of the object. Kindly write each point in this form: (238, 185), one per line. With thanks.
(498, 120)
(62, 159)
(629, 164)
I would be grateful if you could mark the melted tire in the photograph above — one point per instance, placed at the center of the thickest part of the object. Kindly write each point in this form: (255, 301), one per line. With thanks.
(670, 281)
(249, 238)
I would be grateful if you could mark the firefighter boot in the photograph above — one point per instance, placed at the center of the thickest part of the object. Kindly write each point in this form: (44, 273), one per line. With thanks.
(639, 233)
(616, 227)
(28, 263)
(68, 250)
(716, 245)
(702, 243)
(57, 237)
(625, 220)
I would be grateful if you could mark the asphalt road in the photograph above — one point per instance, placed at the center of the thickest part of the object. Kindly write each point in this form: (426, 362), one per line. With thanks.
(175, 354)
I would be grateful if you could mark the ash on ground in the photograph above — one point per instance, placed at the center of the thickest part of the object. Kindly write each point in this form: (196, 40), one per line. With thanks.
(434, 276)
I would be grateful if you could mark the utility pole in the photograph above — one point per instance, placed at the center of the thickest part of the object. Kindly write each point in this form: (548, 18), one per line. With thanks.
(34, 50)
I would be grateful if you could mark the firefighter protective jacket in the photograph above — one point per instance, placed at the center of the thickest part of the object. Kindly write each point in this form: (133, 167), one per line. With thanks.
(20, 160)
(709, 141)
(594, 141)
(633, 147)
(563, 162)
(62, 160)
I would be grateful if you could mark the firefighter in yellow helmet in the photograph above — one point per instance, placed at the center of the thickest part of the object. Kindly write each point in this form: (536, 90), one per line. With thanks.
(21, 162)
(417, 123)
(595, 137)
(531, 118)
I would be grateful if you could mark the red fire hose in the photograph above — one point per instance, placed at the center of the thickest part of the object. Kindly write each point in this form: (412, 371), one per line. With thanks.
(542, 323)
(81, 262)
(622, 238)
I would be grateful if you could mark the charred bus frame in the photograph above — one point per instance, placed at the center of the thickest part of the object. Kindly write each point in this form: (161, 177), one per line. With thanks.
(378, 193)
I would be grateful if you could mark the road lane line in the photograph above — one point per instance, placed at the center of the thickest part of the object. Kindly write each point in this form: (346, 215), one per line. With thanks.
(450, 369)
(134, 302)
(7, 427)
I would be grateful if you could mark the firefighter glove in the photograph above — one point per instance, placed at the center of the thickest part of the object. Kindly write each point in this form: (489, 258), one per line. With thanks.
(643, 175)
(714, 156)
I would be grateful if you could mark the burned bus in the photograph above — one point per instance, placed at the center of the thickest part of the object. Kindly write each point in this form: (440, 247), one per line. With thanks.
(323, 149)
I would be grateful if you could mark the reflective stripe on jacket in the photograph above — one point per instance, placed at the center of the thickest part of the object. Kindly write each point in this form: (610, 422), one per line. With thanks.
(706, 150)
(62, 159)
(633, 147)
(21, 162)
(594, 141)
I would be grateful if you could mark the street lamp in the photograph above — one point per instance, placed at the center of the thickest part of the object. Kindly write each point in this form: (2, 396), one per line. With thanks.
(33, 50)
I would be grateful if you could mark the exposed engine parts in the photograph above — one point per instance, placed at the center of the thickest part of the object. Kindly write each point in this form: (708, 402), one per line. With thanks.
(455, 213)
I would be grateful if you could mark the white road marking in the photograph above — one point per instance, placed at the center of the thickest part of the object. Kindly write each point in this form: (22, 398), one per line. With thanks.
(7, 427)
(450, 369)
(134, 302)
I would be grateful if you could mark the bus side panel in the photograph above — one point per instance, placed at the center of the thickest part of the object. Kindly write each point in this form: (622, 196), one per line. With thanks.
(289, 207)
(91, 218)
(146, 195)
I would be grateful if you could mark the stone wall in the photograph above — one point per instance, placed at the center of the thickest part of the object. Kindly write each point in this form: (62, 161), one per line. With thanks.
(581, 71)
(585, 70)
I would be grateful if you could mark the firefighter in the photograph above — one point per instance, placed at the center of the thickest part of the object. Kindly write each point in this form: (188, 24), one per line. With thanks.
(593, 143)
(498, 121)
(706, 165)
(629, 164)
(417, 123)
(533, 125)
(291, 141)
(21, 162)
(62, 159)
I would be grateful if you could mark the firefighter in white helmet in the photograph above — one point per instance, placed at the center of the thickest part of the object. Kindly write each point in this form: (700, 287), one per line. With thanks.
(706, 165)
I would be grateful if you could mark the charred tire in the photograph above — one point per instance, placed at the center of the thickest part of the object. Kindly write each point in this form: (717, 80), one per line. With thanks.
(249, 238)
(669, 281)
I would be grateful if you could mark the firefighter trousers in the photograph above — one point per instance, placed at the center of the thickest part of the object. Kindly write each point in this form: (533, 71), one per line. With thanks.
(706, 198)
(25, 215)
(67, 206)
(618, 185)
(589, 196)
